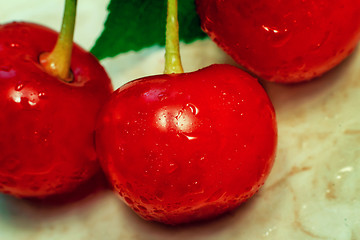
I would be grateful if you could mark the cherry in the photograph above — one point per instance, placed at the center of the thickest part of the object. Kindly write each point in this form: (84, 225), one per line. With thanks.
(283, 41)
(47, 120)
(182, 147)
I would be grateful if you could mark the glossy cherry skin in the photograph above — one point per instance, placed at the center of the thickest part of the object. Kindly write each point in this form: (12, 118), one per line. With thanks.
(283, 41)
(185, 147)
(46, 125)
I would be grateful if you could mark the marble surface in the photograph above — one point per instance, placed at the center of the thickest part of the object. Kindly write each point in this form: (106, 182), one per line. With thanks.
(313, 191)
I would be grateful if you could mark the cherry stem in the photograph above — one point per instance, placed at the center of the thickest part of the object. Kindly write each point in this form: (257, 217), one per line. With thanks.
(172, 52)
(57, 62)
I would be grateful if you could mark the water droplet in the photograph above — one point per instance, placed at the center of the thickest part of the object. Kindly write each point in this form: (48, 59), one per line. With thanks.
(323, 40)
(299, 62)
(14, 45)
(171, 168)
(249, 189)
(146, 173)
(19, 86)
(159, 195)
(187, 136)
(162, 96)
(179, 115)
(41, 94)
(193, 108)
(216, 195)
(195, 188)
(277, 36)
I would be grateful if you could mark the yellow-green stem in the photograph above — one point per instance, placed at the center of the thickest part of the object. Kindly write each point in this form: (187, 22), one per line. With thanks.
(172, 52)
(57, 62)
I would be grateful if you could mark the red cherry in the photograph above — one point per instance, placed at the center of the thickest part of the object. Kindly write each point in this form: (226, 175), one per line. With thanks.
(184, 147)
(46, 125)
(283, 41)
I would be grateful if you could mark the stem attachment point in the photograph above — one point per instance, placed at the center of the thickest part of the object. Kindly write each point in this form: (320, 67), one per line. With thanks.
(57, 62)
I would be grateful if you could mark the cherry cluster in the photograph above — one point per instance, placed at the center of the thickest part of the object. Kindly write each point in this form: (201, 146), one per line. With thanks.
(177, 147)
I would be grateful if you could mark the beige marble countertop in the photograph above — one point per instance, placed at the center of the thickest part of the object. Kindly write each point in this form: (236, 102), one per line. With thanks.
(313, 191)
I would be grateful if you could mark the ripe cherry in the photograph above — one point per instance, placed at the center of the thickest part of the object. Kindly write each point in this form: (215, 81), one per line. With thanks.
(283, 41)
(182, 147)
(47, 124)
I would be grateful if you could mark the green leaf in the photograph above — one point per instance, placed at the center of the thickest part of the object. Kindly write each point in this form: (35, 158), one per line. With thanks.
(137, 24)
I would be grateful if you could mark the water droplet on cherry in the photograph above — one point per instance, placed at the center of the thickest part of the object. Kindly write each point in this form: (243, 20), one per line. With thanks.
(19, 86)
(216, 195)
(321, 42)
(277, 36)
(14, 45)
(159, 195)
(42, 95)
(162, 96)
(172, 168)
(193, 108)
(195, 188)
(188, 137)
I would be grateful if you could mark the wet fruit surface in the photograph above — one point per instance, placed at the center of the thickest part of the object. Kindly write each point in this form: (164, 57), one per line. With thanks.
(46, 125)
(283, 41)
(185, 147)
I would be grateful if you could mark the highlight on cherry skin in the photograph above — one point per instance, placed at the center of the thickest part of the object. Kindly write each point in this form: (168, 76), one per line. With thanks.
(46, 125)
(283, 41)
(179, 148)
